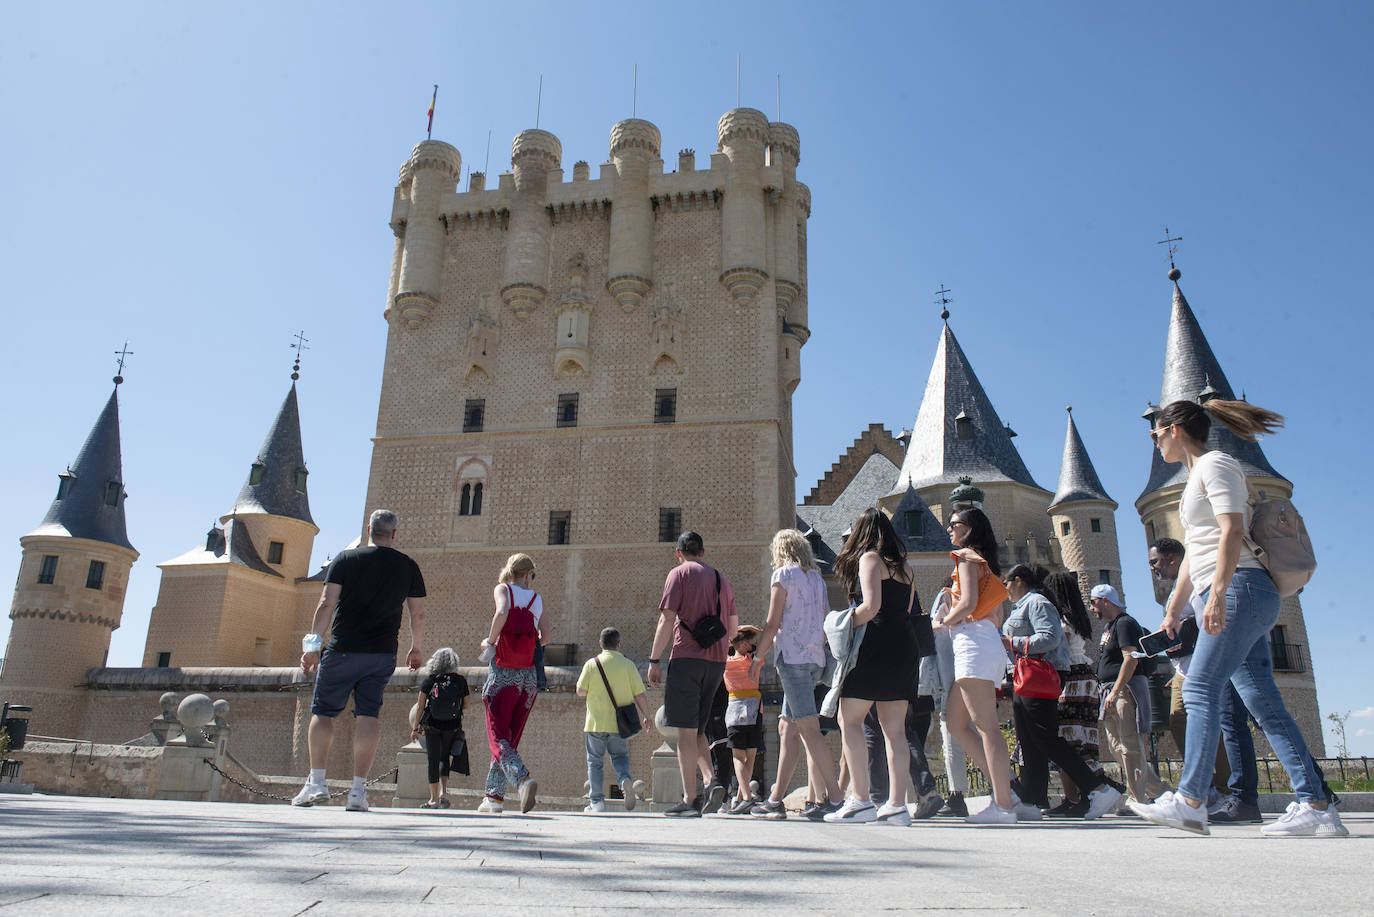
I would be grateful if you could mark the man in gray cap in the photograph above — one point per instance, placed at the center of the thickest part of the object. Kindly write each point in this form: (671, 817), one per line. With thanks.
(1125, 703)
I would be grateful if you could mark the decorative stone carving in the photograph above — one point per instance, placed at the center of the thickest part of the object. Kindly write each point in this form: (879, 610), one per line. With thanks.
(666, 334)
(785, 293)
(571, 354)
(628, 290)
(743, 282)
(415, 307)
(484, 336)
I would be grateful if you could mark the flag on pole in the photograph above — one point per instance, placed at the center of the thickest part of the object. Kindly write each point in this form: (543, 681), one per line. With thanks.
(429, 128)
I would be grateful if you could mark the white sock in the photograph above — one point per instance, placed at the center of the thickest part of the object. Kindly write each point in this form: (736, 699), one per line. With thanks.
(359, 784)
(317, 776)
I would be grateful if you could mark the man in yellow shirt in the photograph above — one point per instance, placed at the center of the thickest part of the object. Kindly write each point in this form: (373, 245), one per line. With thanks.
(602, 731)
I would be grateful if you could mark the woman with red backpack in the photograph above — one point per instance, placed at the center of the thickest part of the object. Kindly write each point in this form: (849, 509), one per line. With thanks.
(510, 689)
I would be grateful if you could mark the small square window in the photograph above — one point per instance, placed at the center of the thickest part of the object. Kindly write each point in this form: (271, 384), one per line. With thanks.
(301, 475)
(112, 491)
(95, 576)
(665, 405)
(48, 571)
(915, 522)
(1095, 524)
(1065, 528)
(474, 413)
(65, 483)
(275, 550)
(1104, 577)
(669, 523)
(560, 526)
(567, 410)
(255, 473)
(164, 659)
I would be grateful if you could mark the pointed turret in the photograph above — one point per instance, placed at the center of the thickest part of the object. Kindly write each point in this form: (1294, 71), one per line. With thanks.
(957, 431)
(1191, 372)
(90, 493)
(276, 481)
(1078, 478)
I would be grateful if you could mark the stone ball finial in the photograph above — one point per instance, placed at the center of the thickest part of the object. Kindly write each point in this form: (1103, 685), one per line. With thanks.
(168, 702)
(195, 712)
(221, 708)
(669, 733)
(434, 154)
(635, 134)
(785, 139)
(536, 147)
(1174, 274)
(741, 124)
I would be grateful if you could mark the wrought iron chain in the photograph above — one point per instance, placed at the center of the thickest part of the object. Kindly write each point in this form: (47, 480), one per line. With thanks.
(266, 795)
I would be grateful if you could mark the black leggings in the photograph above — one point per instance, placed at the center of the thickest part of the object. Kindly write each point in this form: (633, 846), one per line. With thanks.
(1037, 731)
(439, 745)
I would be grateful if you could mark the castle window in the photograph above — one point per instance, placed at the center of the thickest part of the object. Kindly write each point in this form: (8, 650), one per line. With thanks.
(65, 482)
(1104, 577)
(665, 405)
(112, 491)
(669, 523)
(477, 499)
(963, 426)
(560, 526)
(915, 522)
(301, 475)
(1095, 524)
(95, 575)
(465, 501)
(1065, 528)
(255, 473)
(275, 550)
(48, 571)
(474, 412)
(164, 659)
(567, 410)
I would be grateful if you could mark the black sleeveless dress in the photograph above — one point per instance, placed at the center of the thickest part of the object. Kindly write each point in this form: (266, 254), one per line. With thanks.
(886, 667)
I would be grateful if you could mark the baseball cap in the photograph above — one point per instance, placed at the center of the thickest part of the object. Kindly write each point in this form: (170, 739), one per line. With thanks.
(1108, 592)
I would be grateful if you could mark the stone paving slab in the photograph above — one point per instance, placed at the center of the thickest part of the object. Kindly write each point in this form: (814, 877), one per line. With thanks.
(111, 857)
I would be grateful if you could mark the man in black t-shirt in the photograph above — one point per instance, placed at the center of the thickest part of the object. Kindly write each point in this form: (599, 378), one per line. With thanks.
(1125, 704)
(364, 591)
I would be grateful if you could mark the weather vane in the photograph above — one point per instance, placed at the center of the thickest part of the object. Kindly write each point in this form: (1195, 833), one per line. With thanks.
(298, 345)
(1169, 241)
(123, 355)
(943, 301)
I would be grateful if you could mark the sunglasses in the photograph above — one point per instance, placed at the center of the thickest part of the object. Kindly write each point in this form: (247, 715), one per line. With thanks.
(1157, 433)
(956, 522)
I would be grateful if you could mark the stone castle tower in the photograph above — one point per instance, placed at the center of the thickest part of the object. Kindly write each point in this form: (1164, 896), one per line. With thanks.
(1084, 517)
(72, 578)
(582, 369)
(243, 596)
(1192, 372)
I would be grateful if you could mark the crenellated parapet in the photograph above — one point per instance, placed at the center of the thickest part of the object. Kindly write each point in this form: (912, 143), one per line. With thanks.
(442, 157)
(635, 135)
(784, 140)
(741, 126)
(534, 153)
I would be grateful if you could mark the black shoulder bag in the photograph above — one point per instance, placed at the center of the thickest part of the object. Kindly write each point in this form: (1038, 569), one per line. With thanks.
(626, 717)
(710, 629)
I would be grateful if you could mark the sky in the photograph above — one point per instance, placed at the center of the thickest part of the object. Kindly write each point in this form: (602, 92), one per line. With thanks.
(207, 180)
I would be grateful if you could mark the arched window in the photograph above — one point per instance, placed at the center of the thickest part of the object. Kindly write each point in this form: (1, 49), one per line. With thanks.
(465, 501)
(476, 499)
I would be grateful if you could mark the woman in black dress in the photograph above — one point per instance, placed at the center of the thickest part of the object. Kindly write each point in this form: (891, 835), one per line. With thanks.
(875, 572)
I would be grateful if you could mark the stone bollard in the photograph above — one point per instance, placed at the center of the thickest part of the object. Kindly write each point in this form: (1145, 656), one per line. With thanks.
(164, 726)
(667, 777)
(184, 774)
(412, 772)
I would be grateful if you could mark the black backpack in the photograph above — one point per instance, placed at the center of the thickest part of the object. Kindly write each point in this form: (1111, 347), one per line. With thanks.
(446, 698)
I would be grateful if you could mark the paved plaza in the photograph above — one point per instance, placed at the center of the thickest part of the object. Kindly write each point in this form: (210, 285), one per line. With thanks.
(109, 857)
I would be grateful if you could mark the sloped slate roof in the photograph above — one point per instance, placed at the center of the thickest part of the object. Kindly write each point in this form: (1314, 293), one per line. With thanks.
(1189, 365)
(232, 544)
(933, 535)
(1078, 478)
(282, 457)
(872, 482)
(935, 454)
(83, 512)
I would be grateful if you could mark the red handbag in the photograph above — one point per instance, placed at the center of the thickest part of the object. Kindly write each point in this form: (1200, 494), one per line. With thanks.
(1035, 677)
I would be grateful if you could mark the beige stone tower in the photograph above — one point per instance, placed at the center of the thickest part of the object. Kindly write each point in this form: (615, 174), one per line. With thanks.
(582, 369)
(237, 599)
(1192, 372)
(70, 594)
(1084, 518)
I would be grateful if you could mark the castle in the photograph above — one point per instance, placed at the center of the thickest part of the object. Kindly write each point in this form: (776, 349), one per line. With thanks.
(579, 370)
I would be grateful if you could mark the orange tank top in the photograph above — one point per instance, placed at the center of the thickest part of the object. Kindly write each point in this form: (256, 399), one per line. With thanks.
(991, 592)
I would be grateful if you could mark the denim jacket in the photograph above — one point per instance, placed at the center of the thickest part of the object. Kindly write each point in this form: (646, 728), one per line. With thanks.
(844, 639)
(1035, 630)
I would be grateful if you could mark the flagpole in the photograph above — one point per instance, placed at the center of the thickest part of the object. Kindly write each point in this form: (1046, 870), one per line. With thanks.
(429, 128)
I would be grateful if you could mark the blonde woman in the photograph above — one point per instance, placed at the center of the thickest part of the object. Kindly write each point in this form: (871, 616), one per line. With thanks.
(517, 628)
(796, 616)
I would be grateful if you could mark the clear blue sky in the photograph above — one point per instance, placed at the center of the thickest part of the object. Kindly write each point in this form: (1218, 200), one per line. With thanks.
(206, 180)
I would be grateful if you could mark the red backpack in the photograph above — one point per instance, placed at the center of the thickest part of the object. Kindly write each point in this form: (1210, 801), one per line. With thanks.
(519, 635)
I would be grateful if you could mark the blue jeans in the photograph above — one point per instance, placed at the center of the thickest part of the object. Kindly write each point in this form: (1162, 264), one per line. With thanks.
(599, 744)
(1239, 745)
(1240, 655)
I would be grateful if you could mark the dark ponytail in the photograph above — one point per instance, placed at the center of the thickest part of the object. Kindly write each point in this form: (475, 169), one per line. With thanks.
(1240, 417)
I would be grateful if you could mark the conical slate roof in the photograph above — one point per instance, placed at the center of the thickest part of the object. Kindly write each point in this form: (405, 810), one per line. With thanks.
(1078, 478)
(82, 508)
(936, 455)
(1189, 367)
(283, 467)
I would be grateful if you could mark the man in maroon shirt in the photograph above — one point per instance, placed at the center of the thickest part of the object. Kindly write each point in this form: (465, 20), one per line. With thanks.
(691, 592)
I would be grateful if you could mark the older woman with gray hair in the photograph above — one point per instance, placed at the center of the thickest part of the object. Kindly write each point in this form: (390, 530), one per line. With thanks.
(439, 715)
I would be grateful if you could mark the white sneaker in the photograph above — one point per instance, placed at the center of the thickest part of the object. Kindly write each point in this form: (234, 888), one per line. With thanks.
(489, 806)
(595, 808)
(1024, 810)
(357, 801)
(529, 794)
(893, 815)
(992, 815)
(310, 794)
(1103, 801)
(1171, 811)
(853, 812)
(1302, 820)
(627, 789)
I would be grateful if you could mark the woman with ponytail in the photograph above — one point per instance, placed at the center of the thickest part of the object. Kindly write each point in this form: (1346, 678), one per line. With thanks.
(1240, 605)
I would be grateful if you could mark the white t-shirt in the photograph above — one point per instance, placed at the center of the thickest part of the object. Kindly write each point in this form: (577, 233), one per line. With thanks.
(801, 637)
(1215, 485)
(522, 595)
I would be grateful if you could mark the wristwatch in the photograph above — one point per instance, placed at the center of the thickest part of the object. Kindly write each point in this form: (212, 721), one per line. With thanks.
(311, 643)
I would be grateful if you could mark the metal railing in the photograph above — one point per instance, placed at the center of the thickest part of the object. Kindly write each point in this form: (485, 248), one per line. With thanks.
(1288, 657)
(1274, 779)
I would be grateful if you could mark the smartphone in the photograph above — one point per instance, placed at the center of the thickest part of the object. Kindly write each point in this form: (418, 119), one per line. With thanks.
(1158, 643)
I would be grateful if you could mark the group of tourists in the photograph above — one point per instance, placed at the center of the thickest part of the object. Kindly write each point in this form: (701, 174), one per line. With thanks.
(886, 667)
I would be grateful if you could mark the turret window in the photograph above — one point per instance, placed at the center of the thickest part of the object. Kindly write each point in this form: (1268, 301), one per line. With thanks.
(1065, 528)
(164, 659)
(47, 571)
(95, 575)
(1104, 577)
(112, 491)
(1095, 524)
(275, 551)
(301, 475)
(915, 523)
(255, 473)
(65, 482)
(567, 410)
(474, 412)
(963, 426)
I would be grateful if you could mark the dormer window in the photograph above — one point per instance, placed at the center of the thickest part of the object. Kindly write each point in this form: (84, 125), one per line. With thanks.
(963, 426)
(112, 492)
(65, 483)
(915, 523)
(255, 473)
(301, 474)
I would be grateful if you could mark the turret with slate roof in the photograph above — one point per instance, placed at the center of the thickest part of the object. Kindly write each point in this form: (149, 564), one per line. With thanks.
(1078, 480)
(276, 483)
(1084, 517)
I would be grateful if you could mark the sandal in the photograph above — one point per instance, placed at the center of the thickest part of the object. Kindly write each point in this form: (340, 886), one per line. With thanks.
(430, 804)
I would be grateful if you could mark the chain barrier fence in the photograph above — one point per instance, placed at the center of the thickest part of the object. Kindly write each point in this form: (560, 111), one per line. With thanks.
(258, 791)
